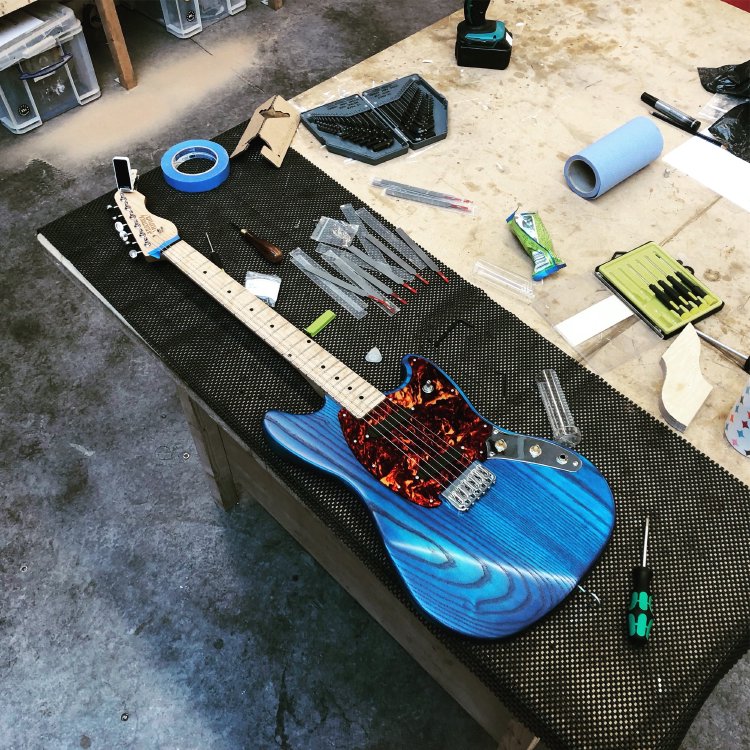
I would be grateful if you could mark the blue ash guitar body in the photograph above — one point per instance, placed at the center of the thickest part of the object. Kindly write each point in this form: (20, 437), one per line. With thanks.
(489, 530)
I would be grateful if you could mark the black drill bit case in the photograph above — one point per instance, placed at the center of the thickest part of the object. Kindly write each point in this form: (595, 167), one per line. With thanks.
(410, 111)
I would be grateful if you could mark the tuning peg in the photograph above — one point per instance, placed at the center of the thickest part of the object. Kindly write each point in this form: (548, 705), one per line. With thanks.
(133, 253)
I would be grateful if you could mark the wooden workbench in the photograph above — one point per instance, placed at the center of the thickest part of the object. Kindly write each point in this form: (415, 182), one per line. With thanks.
(510, 133)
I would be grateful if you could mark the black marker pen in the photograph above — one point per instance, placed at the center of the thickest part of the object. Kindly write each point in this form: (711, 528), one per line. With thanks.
(669, 111)
(670, 121)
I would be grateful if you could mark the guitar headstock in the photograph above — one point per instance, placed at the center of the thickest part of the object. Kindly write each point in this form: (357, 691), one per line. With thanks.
(140, 230)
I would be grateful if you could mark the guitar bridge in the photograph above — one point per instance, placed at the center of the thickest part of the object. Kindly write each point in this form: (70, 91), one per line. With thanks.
(471, 485)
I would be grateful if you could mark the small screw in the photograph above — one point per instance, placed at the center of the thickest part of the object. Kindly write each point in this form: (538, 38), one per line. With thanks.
(185, 455)
(124, 717)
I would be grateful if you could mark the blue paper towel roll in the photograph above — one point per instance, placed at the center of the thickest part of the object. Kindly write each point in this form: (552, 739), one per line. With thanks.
(613, 158)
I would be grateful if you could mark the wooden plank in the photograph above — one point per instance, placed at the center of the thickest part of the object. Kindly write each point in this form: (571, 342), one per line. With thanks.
(116, 41)
(685, 389)
(8, 6)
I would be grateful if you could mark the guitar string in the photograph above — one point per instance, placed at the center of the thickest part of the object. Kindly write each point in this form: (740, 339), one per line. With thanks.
(443, 475)
(413, 421)
(420, 432)
(451, 470)
(405, 438)
(423, 466)
(410, 420)
(402, 431)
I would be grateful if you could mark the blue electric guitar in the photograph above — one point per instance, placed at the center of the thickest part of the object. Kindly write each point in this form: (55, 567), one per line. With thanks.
(489, 529)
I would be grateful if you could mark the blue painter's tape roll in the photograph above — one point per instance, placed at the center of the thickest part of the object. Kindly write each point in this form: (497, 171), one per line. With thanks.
(613, 158)
(197, 149)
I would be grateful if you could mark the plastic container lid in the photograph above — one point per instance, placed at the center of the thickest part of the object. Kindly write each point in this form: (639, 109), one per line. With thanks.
(33, 30)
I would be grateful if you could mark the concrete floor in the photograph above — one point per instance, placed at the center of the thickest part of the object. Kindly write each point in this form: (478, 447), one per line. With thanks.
(135, 614)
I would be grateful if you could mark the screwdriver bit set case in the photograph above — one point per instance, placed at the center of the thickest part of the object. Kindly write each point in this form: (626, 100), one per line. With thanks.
(663, 292)
(383, 122)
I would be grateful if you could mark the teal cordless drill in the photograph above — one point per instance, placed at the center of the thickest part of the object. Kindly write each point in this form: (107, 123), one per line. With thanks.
(481, 43)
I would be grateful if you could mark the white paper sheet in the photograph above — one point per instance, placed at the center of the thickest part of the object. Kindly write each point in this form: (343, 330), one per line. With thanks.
(593, 320)
(715, 168)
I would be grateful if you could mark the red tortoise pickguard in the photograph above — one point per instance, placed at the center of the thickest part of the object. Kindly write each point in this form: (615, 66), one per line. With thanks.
(417, 462)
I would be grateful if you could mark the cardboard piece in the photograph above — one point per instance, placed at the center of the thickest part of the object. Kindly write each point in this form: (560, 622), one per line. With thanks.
(276, 122)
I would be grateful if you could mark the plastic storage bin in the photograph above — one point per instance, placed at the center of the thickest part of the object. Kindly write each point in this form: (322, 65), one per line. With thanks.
(185, 18)
(45, 66)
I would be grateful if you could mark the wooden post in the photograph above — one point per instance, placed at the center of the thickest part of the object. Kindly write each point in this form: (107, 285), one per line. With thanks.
(275, 4)
(116, 41)
(209, 443)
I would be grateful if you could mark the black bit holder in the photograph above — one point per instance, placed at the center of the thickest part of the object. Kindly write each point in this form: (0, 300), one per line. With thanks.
(383, 122)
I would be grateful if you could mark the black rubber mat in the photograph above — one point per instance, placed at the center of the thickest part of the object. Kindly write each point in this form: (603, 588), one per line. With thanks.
(572, 678)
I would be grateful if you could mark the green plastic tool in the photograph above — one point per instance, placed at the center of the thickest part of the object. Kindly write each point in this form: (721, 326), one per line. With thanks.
(640, 611)
(659, 289)
(320, 323)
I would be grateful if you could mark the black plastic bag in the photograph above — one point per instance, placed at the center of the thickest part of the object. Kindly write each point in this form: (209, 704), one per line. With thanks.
(728, 79)
(734, 129)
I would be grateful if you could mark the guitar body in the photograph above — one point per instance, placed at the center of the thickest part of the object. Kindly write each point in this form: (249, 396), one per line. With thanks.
(491, 570)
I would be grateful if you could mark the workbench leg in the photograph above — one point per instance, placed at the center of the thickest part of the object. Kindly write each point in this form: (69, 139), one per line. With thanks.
(209, 443)
(116, 41)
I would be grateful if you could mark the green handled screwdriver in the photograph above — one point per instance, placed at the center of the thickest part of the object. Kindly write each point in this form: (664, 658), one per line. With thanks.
(640, 612)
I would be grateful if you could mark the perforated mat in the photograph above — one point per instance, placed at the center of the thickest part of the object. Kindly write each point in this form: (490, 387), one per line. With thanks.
(572, 678)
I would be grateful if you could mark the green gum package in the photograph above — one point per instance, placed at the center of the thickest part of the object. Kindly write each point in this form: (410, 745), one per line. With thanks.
(536, 242)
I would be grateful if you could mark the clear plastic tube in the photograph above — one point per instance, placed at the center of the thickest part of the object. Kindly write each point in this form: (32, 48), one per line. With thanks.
(564, 430)
(507, 280)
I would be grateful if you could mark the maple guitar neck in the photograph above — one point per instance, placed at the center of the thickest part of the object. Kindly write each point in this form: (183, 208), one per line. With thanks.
(341, 383)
